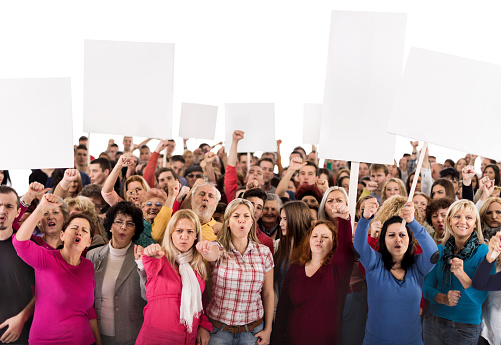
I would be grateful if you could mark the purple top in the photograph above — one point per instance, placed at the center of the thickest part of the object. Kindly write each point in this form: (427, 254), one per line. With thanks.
(64, 301)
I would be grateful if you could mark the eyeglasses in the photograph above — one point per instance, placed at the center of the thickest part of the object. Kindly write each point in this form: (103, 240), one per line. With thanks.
(128, 225)
(193, 175)
(150, 204)
(134, 191)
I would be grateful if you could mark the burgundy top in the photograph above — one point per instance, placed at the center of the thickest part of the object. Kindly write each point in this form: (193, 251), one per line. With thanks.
(310, 309)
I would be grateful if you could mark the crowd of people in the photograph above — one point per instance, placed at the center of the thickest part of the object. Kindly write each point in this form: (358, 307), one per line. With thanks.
(216, 247)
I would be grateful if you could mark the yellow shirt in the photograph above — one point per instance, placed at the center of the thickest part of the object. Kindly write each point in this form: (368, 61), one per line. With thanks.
(162, 219)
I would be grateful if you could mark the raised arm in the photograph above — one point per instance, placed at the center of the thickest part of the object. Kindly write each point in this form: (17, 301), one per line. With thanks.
(430, 255)
(125, 160)
(151, 166)
(295, 164)
(483, 279)
(279, 157)
(468, 172)
(207, 166)
(70, 175)
(232, 155)
(367, 254)
(48, 202)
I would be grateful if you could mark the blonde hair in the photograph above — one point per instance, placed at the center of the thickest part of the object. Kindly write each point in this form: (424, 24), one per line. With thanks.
(82, 204)
(171, 252)
(401, 186)
(224, 236)
(134, 178)
(485, 206)
(457, 206)
(393, 207)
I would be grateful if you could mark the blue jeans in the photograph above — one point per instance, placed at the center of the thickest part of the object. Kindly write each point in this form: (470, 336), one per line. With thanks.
(355, 317)
(435, 333)
(221, 337)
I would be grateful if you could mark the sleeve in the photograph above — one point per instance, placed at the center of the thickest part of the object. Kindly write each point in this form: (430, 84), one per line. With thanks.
(151, 168)
(367, 254)
(426, 181)
(91, 313)
(111, 198)
(478, 195)
(483, 280)
(152, 266)
(467, 192)
(430, 290)
(476, 296)
(31, 253)
(160, 224)
(142, 282)
(365, 193)
(205, 323)
(479, 204)
(427, 244)
(283, 307)
(268, 259)
(22, 209)
(412, 165)
(230, 182)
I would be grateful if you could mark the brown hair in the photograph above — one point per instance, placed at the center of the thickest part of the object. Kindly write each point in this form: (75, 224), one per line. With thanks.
(302, 254)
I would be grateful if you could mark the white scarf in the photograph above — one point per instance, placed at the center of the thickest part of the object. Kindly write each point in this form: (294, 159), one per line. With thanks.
(191, 297)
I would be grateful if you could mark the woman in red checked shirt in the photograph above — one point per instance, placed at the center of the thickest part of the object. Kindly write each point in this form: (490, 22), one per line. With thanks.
(241, 309)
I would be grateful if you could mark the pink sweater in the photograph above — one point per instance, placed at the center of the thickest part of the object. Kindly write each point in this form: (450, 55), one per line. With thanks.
(64, 301)
(161, 314)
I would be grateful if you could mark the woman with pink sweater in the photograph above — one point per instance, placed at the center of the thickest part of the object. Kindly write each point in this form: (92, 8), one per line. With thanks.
(176, 276)
(64, 281)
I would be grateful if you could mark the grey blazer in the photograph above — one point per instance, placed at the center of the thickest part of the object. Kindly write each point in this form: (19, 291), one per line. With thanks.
(128, 302)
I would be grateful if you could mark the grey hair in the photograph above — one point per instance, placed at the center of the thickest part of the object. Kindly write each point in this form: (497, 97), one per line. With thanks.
(274, 197)
(321, 209)
(218, 193)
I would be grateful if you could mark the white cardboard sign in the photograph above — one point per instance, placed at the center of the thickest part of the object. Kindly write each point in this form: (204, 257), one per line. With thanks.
(198, 121)
(257, 120)
(37, 124)
(364, 67)
(312, 117)
(128, 88)
(449, 101)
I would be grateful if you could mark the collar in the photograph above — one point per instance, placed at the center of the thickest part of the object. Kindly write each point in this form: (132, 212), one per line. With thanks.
(250, 246)
(210, 223)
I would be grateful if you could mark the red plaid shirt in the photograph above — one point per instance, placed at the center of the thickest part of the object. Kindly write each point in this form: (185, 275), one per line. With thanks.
(237, 282)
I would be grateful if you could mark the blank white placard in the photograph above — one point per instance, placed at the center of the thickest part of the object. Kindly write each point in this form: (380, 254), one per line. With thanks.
(311, 123)
(364, 67)
(449, 101)
(198, 121)
(37, 124)
(128, 88)
(257, 120)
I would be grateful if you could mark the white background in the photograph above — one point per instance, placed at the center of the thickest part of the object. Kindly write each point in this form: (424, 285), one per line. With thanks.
(228, 51)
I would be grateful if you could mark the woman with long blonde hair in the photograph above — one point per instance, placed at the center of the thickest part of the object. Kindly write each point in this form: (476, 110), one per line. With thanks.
(176, 275)
(454, 314)
(242, 280)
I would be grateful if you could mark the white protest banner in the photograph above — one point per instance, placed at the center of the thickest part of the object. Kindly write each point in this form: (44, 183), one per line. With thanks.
(364, 67)
(198, 121)
(37, 124)
(449, 101)
(311, 123)
(257, 120)
(128, 88)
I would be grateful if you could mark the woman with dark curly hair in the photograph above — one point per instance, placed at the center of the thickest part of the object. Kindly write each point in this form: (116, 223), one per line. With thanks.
(118, 300)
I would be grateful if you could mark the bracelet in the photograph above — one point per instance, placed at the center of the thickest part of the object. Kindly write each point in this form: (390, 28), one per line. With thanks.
(23, 202)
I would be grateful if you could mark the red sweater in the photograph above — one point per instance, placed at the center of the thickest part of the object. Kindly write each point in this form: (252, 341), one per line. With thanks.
(310, 309)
